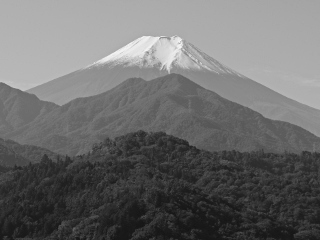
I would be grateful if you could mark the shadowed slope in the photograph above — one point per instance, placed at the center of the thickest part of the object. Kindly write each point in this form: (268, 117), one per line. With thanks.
(173, 104)
(12, 153)
(18, 108)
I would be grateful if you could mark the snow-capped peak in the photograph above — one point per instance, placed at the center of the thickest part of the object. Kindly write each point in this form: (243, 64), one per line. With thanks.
(164, 53)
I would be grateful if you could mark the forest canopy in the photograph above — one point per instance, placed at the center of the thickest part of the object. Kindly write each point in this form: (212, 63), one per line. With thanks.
(156, 186)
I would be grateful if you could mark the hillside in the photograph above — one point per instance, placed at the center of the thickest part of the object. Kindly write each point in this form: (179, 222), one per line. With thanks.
(8, 157)
(144, 186)
(151, 57)
(12, 153)
(172, 104)
(18, 108)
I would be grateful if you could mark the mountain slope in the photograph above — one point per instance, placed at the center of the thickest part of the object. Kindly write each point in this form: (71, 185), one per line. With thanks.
(18, 108)
(151, 57)
(173, 104)
(8, 157)
(12, 153)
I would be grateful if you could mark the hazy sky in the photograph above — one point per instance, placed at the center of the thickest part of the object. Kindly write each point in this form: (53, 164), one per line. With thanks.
(276, 43)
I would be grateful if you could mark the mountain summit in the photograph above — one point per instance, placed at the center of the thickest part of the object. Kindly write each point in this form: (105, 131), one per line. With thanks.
(165, 54)
(152, 57)
(147, 57)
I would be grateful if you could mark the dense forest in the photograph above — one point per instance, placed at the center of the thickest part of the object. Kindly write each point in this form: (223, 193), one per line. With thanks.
(143, 186)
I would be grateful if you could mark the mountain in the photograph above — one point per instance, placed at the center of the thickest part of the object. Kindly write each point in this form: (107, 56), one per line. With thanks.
(173, 104)
(12, 153)
(146, 57)
(18, 108)
(150, 57)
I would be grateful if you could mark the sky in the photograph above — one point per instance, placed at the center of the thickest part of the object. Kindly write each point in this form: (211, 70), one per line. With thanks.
(274, 42)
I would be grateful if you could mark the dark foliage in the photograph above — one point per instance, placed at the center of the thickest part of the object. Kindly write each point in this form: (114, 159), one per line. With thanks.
(155, 186)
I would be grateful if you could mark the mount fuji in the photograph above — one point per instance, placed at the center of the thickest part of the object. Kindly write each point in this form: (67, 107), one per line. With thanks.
(151, 57)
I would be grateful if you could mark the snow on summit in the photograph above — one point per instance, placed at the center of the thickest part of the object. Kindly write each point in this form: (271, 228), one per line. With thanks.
(151, 57)
(164, 53)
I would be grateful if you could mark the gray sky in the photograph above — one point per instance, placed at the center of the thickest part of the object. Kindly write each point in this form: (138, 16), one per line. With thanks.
(274, 42)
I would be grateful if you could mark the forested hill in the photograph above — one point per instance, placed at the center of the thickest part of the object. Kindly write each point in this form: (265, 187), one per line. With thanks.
(173, 104)
(156, 186)
(12, 153)
(18, 108)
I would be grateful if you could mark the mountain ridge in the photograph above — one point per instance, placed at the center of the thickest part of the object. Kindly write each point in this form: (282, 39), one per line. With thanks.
(173, 104)
(149, 63)
(13, 153)
(18, 108)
